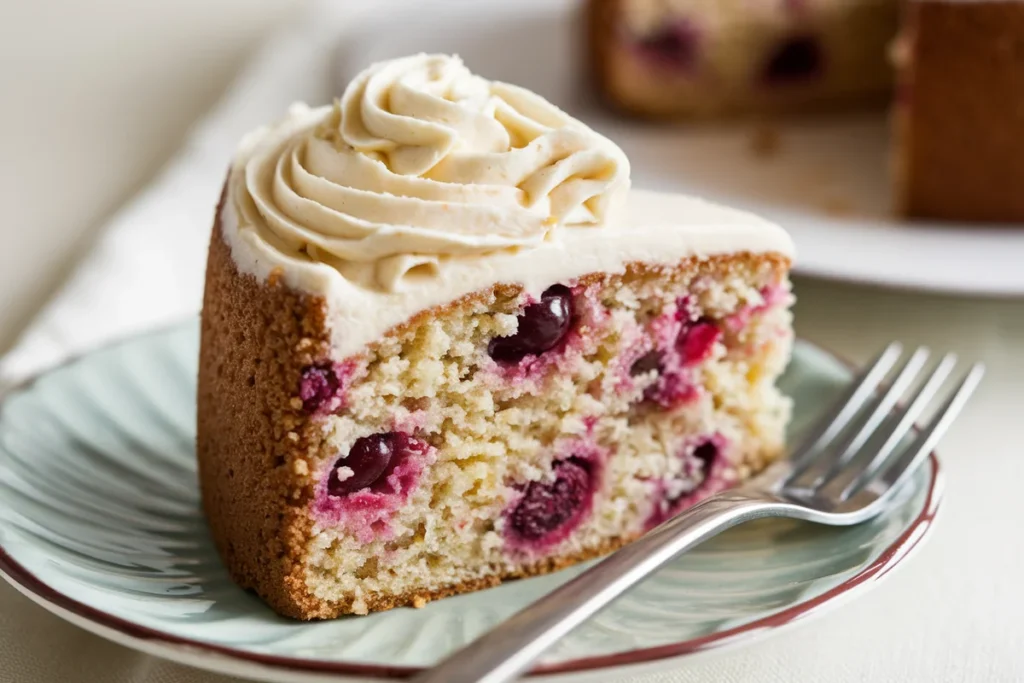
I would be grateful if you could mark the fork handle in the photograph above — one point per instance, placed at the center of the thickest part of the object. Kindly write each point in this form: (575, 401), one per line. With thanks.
(508, 649)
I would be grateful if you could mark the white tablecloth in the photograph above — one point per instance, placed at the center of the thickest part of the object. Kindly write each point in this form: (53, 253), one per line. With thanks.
(952, 613)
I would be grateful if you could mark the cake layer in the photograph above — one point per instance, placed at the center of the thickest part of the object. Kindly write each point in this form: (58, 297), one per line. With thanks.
(708, 58)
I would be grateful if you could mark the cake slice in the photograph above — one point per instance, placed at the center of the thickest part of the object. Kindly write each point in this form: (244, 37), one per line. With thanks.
(959, 112)
(707, 58)
(444, 345)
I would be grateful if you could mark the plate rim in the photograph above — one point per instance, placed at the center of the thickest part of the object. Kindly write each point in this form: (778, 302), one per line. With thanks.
(146, 639)
(905, 285)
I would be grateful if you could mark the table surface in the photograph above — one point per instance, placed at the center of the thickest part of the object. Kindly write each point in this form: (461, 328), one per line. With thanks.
(950, 614)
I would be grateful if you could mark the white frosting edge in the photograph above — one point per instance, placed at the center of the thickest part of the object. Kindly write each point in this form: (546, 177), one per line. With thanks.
(653, 228)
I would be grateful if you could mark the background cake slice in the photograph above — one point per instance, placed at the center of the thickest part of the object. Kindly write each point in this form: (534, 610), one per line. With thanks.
(704, 58)
(959, 111)
(444, 345)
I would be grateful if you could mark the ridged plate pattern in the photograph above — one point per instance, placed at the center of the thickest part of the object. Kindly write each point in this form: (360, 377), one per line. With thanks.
(100, 518)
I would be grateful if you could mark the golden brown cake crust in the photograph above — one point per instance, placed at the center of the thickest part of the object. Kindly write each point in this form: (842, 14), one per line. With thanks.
(256, 446)
(961, 114)
(253, 440)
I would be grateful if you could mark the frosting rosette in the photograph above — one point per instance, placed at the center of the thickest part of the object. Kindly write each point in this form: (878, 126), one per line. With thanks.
(422, 161)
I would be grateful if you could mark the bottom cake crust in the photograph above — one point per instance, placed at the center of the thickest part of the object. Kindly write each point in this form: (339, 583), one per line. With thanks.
(379, 603)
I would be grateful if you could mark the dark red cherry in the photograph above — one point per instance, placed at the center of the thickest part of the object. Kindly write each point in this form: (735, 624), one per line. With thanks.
(319, 384)
(676, 45)
(796, 59)
(545, 507)
(541, 326)
(650, 361)
(696, 341)
(653, 360)
(706, 454)
(369, 460)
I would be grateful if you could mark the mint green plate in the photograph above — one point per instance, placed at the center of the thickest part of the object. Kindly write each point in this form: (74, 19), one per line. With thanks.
(100, 523)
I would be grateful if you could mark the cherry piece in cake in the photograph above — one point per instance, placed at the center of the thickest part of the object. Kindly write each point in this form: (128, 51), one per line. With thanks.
(696, 341)
(541, 326)
(796, 59)
(369, 460)
(678, 497)
(676, 45)
(319, 384)
(706, 454)
(547, 507)
(652, 360)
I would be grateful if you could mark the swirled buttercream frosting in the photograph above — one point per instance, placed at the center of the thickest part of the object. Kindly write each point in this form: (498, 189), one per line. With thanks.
(421, 161)
(425, 183)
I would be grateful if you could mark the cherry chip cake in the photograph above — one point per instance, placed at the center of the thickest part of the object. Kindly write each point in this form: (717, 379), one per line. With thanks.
(444, 345)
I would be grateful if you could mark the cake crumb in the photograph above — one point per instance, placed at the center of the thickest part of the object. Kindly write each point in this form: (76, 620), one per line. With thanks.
(295, 403)
(766, 141)
(301, 468)
(419, 602)
(415, 404)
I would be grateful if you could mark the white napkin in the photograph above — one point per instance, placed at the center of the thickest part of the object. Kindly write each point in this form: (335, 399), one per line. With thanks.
(147, 268)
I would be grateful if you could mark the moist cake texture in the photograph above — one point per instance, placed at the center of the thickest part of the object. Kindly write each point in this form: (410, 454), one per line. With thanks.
(445, 345)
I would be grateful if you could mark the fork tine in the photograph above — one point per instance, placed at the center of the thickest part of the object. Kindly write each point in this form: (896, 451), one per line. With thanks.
(897, 475)
(849, 481)
(847, 408)
(883, 407)
(879, 407)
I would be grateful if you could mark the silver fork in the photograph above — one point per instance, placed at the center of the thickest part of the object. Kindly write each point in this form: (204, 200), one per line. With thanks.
(845, 473)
